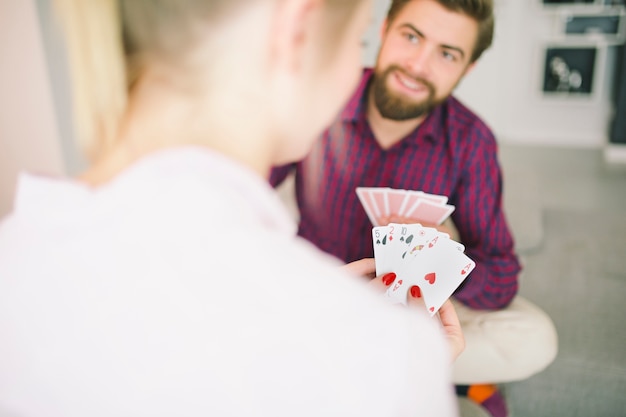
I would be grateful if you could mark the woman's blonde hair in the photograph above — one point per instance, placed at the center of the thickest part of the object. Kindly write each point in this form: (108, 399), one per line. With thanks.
(109, 41)
(99, 87)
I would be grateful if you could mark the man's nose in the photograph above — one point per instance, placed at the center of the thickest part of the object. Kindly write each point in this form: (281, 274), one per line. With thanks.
(420, 61)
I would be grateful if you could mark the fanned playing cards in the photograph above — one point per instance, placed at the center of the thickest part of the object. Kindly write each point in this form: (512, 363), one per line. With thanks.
(380, 202)
(420, 256)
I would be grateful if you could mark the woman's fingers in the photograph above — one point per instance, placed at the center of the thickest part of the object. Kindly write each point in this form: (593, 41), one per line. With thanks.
(381, 283)
(452, 328)
(448, 318)
(363, 267)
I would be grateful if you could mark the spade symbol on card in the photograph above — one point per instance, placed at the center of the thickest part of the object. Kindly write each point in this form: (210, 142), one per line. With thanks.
(409, 239)
(431, 277)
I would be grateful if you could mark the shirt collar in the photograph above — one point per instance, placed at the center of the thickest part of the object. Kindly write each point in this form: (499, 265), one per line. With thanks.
(430, 129)
(184, 164)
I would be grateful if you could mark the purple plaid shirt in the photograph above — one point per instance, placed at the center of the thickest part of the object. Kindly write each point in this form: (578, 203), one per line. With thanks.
(451, 153)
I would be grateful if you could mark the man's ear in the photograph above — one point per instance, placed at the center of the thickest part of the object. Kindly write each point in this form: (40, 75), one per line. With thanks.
(291, 31)
(383, 28)
(469, 68)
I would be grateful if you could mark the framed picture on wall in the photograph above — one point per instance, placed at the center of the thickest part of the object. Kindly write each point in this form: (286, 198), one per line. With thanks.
(581, 5)
(570, 72)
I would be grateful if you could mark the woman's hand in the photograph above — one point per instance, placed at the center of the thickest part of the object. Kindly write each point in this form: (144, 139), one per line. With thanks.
(447, 314)
(448, 319)
(363, 267)
(452, 329)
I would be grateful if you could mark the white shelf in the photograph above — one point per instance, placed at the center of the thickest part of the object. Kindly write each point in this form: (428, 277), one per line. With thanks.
(615, 154)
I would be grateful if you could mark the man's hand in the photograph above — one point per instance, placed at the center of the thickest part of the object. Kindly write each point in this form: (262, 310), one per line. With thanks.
(408, 220)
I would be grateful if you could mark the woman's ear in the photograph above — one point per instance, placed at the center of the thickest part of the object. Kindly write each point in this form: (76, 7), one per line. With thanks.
(292, 30)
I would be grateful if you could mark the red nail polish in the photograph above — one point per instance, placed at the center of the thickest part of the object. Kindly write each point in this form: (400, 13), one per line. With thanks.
(416, 292)
(389, 278)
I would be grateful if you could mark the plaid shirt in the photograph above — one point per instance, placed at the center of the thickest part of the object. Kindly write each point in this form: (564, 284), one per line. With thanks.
(451, 153)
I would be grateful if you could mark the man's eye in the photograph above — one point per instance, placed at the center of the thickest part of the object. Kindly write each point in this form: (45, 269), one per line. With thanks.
(448, 56)
(411, 37)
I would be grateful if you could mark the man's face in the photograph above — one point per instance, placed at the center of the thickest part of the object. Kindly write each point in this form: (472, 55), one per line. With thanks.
(425, 52)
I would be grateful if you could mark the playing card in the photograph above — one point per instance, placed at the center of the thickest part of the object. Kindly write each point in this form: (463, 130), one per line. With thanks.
(393, 242)
(408, 237)
(437, 271)
(381, 202)
(378, 196)
(443, 269)
(422, 237)
(381, 243)
(433, 198)
(369, 204)
(397, 201)
(411, 199)
(429, 212)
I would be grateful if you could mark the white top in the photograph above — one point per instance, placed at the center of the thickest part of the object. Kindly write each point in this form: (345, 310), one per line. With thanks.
(180, 289)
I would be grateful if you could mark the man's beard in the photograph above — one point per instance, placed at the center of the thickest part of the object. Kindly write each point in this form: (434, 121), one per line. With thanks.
(393, 107)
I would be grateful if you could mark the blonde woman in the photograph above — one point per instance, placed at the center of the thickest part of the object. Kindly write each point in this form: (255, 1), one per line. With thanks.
(167, 280)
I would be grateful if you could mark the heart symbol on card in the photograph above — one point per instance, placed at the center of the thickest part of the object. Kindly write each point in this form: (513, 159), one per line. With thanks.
(432, 309)
(395, 287)
(465, 269)
(431, 277)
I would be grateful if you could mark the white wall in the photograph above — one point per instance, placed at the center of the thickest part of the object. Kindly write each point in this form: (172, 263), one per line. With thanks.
(505, 86)
(29, 136)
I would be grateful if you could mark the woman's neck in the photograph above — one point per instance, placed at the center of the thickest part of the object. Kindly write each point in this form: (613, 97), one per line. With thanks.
(158, 118)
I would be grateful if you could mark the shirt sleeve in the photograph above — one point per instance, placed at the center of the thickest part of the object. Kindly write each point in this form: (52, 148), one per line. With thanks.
(483, 229)
(278, 174)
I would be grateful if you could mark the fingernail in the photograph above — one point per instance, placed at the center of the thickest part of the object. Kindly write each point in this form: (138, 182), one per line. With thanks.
(389, 278)
(416, 292)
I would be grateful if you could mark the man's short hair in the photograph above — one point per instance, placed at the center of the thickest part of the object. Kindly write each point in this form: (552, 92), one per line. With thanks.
(479, 10)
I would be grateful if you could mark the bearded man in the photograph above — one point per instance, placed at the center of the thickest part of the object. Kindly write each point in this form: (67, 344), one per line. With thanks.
(403, 129)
